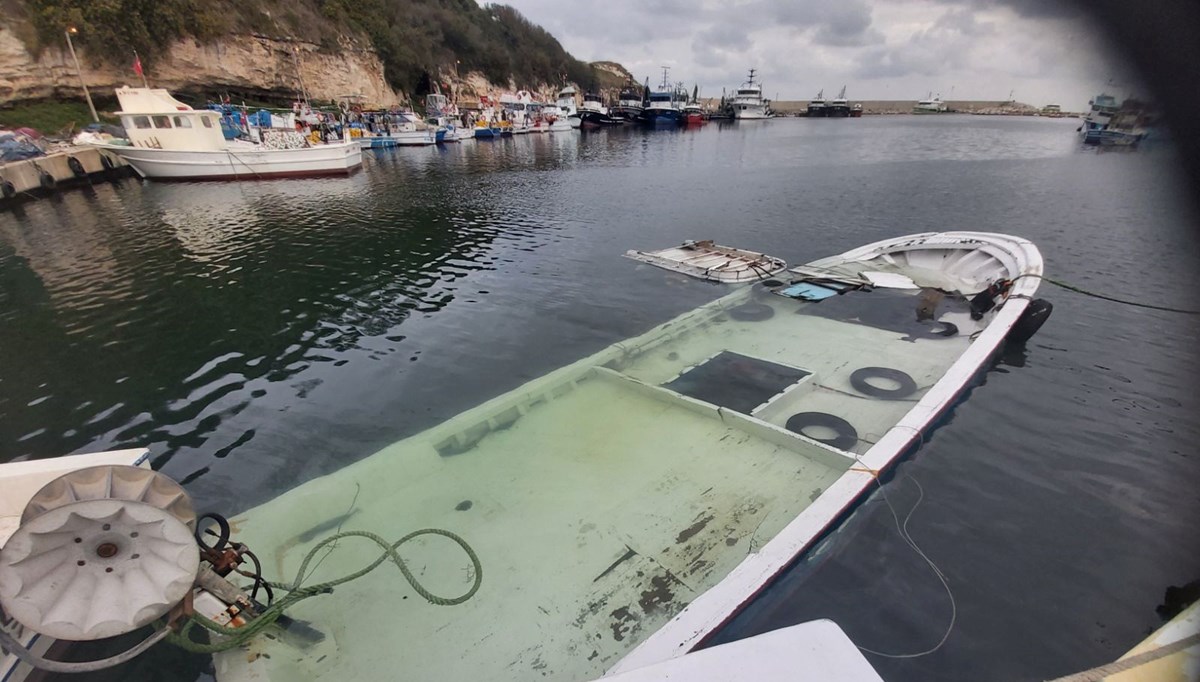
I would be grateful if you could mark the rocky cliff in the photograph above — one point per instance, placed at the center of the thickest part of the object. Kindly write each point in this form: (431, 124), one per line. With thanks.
(242, 65)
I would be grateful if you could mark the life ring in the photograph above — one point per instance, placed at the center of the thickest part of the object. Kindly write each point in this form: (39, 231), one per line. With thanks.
(76, 167)
(47, 181)
(861, 376)
(107, 162)
(8, 189)
(752, 312)
(847, 435)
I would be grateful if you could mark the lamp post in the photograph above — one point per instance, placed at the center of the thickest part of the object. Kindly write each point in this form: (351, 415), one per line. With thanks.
(70, 30)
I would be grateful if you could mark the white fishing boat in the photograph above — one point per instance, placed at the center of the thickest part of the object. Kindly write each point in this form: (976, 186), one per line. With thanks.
(713, 262)
(930, 105)
(567, 105)
(622, 508)
(398, 129)
(748, 102)
(168, 140)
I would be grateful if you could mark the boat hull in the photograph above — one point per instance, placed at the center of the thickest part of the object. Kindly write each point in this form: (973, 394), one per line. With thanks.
(662, 117)
(595, 119)
(750, 113)
(416, 138)
(241, 164)
(588, 488)
(837, 111)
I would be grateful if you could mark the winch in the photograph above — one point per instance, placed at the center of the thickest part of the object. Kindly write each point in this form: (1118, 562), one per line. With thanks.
(106, 550)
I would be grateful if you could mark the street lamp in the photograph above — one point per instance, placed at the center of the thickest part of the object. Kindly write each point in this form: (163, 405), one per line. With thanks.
(71, 30)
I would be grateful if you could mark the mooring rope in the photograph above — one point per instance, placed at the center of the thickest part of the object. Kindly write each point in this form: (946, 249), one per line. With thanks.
(1105, 297)
(234, 637)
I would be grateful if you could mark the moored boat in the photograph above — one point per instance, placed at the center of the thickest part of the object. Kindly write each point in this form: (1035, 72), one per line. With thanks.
(630, 104)
(748, 102)
(856, 111)
(838, 107)
(593, 113)
(930, 105)
(168, 140)
(384, 129)
(817, 106)
(662, 109)
(1101, 110)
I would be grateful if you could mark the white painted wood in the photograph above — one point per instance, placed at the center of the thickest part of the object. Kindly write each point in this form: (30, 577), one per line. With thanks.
(817, 651)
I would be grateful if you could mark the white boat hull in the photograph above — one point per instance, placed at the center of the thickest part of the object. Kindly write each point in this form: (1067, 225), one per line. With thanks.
(415, 138)
(240, 163)
(750, 113)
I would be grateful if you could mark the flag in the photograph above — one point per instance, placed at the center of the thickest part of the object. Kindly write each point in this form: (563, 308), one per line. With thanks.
(137, 64)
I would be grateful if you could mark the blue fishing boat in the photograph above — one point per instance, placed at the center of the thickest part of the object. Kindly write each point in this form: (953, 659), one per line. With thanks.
(662, 109)
(1103, 107)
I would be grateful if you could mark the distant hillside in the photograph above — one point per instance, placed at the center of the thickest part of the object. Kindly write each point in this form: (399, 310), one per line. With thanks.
(415, 39)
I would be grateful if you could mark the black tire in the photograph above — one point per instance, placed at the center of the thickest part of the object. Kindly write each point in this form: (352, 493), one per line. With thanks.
(847, 435)
(752, 312)
(76, 167)
(771, 283)
(107, 162)
(47, 181)
(859, 380)
(8, 189)
(1035, 315)
(941, 329)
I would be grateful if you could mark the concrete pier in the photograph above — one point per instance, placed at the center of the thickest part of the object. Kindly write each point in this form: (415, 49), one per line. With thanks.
(35, 178)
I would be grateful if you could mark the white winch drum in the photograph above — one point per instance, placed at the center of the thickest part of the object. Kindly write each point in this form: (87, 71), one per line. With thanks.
(113, 482)
(96, 568)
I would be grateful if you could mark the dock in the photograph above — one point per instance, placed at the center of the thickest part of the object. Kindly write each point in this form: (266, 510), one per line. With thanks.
(45, 175)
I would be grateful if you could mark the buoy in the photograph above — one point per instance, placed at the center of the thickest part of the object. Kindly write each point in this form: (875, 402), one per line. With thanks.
(1035, 315)
(47, 181)
(76, 167)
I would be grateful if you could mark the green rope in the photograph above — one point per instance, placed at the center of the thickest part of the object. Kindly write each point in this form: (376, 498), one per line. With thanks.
(1085, 292)
(237, 636)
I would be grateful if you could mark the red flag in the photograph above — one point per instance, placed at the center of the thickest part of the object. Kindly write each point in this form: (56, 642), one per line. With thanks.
(137, 64)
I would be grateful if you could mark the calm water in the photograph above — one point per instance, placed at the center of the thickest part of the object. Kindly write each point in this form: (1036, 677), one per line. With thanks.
(256, 335)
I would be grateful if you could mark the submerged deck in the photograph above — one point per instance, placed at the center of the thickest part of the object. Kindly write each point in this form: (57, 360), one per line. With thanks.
(601, 498)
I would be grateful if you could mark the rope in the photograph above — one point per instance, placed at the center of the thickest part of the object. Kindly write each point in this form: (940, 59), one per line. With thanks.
(1097, 674)
(237, 636)
(1093, 294)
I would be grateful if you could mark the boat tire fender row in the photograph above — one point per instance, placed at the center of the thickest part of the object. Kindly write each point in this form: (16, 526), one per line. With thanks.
(752, 312)
(76, 167)
(1031, 320)
(861, 377)
(847, 435)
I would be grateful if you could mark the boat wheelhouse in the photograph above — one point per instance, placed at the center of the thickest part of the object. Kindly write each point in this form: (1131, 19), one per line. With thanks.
(748, 102)
(169, 140)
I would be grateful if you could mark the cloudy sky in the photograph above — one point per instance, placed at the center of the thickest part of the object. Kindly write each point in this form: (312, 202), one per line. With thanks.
(879, 49)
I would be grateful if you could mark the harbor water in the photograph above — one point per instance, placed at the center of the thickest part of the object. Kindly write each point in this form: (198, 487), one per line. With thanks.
(256, 335)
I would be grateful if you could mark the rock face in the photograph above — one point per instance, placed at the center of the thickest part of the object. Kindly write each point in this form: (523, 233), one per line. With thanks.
(245, 64)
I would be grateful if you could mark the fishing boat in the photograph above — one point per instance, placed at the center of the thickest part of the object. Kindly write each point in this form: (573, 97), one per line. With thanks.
(593, 113)
(662, 107)
(168, 140)
(630, 104)
(839, 107)
(445, 117)
(856, 111)
(748, 102)
(816, 106)
(713, 262)
(567, 106)
(384, 129)
(1101, 110)
(930, 105)
(616, 512)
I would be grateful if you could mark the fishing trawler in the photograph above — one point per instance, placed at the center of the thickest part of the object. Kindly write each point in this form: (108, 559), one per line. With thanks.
(816, 106)
(629, 102)
(839, 107)
(662, 108)
(930, 105)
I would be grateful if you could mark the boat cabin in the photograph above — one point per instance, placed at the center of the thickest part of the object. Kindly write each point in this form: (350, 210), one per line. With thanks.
(153, 118)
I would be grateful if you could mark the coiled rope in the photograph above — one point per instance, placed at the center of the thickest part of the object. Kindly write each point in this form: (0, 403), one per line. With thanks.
(1105, 297)
(297, 592)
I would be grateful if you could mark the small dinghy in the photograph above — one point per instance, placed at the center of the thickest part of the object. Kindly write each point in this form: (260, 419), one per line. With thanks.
(624, 507)
(713, 262)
